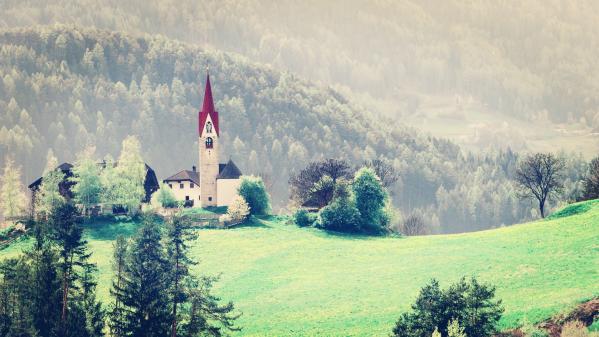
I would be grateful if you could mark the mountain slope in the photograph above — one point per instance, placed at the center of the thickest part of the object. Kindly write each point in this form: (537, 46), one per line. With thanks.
(529, 65)
(65, 87)
(290, 281)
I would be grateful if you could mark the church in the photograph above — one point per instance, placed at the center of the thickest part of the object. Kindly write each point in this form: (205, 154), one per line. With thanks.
(215, 183)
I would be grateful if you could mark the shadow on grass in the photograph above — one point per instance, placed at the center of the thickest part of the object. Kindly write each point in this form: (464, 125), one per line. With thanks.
(573, 209)
(111, 228)
(348, 236)
(255, 222)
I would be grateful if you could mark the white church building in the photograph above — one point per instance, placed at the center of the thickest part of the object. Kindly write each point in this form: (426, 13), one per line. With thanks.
(215, 184)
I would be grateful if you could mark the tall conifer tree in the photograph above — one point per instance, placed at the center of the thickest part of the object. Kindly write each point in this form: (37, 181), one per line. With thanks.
(145, 285)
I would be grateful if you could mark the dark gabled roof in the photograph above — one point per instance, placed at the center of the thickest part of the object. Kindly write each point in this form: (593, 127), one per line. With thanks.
(185, 175)
(64, 167)
(229, 171)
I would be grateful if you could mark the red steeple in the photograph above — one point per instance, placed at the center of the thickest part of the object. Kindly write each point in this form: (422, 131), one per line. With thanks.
(208, 108)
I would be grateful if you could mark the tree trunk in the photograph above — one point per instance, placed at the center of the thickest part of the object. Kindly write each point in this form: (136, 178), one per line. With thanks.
(542, 208)
(176, 293)
(65, 296)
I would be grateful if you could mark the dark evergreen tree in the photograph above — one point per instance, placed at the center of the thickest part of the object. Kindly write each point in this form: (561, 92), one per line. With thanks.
(179, 231)
(92, 308)
(471, 303)
(205, 314)
(15, 299)
(145, 288)
(118, 312)
(46, 288)
(67, 234)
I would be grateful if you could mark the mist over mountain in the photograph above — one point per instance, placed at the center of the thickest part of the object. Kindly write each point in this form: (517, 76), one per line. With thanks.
(519, 74)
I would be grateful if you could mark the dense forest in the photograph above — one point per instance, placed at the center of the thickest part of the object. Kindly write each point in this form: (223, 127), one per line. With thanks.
(65, 87)
(533, 60)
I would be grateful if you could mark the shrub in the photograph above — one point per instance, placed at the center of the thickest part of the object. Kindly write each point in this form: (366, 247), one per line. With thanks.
(468, 302)
(341, 215)
(164, 197)
(577, 329)
(303, 218)
(370, 199)
(252, 189)
(238, 211)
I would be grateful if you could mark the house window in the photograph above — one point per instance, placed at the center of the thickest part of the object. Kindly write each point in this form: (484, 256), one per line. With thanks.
(170, 185)
(209, 198)
(186, 197)
(209, 127)
(190, 185)
(209, 143)
(181, 186)
(199, 197)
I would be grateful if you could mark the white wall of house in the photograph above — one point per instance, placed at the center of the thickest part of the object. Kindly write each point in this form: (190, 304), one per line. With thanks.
(226, 190)
(185, 188)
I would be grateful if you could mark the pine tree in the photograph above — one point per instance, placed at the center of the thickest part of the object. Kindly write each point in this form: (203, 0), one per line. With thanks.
(178, 233)
(118, 312)
(205, 314)
(145, 289)
(12, 193)
(67, 235)
(45, 284)
(15, 299)
(92, 308)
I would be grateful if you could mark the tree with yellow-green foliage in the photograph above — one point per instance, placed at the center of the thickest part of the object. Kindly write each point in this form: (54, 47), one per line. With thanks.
(48, 197)
(13, 200)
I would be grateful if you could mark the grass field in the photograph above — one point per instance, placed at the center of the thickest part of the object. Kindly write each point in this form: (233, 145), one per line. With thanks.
(291, 281)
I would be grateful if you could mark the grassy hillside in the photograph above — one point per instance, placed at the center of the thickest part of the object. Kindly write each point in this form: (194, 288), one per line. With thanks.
(290, 281)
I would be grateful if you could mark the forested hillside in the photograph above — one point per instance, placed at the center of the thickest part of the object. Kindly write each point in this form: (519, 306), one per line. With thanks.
(65, 87)
(533, 63)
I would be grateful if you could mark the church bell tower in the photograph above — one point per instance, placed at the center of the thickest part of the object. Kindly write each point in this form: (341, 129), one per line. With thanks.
(208, 143)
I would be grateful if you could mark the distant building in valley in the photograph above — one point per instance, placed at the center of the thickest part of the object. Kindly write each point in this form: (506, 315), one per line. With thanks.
(150, 182)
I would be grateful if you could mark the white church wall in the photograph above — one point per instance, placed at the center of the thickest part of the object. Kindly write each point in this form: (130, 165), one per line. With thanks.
(226, 191)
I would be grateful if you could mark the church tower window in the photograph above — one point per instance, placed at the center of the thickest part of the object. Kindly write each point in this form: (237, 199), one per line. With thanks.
(209, 142)
(209, 127)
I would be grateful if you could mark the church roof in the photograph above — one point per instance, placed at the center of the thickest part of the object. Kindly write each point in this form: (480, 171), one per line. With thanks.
(208, 109)
(193, 176)
(229, 171)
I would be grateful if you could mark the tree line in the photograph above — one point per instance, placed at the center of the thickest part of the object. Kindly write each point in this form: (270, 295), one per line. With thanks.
(357, 200)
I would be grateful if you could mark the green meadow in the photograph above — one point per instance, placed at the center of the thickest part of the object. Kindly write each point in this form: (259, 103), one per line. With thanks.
(290, 281)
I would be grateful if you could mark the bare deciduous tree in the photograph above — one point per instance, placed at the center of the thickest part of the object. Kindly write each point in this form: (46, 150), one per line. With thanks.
(540, 176)
(316, 183)
(384, 170)
(414, 225)
(591, 181)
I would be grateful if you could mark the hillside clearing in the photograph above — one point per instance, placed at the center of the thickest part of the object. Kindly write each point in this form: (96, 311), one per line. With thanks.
(290, 281)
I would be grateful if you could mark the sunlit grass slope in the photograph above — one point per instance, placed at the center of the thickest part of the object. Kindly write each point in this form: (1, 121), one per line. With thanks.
(290, 281)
